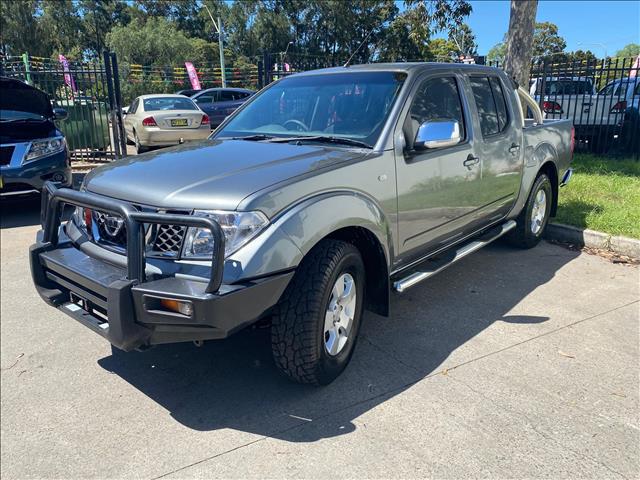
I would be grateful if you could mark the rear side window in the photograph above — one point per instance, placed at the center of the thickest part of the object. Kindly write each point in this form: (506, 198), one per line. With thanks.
(491, 104)
(226, 96)
(436, 99)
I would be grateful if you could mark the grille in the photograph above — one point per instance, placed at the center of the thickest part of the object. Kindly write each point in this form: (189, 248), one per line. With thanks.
(5, 155)
(161, 239)
(168, 239)
(111, 229)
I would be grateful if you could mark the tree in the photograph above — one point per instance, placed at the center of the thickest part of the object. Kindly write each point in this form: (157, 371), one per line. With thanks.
(522, 19)
(20, 26)
(630, 50)
(464, 40)
(546, 41)
(99, 17)
(441, 50)
(62, 27)
(431, 16)
(497, 53)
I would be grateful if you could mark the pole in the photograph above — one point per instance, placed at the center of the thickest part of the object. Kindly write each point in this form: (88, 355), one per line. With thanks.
(221, 46)
(27, 67)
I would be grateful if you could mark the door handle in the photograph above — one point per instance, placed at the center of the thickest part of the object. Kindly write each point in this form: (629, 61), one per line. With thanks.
(513, 149)
(470, 161)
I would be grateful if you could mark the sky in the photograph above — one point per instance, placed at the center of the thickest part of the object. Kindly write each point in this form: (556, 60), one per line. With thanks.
(582, 23)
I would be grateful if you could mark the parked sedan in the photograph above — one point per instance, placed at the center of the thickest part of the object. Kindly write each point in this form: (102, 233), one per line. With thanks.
(163, 120)
(219, 103)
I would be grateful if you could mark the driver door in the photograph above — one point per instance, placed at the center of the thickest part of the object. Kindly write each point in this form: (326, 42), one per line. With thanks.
(439, 188)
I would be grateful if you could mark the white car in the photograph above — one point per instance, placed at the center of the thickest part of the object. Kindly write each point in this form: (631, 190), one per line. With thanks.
(163, 120)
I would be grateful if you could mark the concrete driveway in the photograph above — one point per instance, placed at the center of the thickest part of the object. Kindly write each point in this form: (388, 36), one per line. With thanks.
(509, 364)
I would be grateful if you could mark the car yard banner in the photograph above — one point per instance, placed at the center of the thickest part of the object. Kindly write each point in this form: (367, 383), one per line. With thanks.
(193, 76)
(68, 79)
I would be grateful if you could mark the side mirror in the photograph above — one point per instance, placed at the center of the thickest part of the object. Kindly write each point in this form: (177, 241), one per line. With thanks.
(437, 134)
(59, 113)
(125, 110)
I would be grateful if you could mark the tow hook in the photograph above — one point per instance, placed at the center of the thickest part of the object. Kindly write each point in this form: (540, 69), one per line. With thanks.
(198, 343)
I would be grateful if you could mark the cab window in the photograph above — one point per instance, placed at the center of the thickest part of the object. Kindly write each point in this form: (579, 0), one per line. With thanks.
(490, 103)
(436, 99)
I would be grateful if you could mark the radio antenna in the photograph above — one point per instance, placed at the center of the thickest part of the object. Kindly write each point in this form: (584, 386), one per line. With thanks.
(346, 64)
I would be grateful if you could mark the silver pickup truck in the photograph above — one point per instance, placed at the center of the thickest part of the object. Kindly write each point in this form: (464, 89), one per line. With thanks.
(322, 194)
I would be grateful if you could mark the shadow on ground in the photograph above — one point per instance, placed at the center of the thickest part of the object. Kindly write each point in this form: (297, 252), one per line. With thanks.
(234, 383)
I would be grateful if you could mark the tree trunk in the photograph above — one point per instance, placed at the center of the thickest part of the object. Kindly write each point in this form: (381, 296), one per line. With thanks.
(517, 62)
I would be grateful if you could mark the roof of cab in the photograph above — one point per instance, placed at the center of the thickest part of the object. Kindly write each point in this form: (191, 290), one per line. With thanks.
(397, 67)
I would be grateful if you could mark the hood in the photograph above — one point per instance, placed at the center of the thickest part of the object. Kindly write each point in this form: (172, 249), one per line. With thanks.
(214, 174)
(19, 96)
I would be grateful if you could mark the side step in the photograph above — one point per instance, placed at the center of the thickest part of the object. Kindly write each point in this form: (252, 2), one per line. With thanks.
(438, 264)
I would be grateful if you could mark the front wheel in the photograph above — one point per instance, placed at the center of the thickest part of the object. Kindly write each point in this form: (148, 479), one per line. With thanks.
(316, 322)
(534, 217)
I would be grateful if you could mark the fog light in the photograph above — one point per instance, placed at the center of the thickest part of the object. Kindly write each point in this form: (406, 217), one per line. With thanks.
(178, 306)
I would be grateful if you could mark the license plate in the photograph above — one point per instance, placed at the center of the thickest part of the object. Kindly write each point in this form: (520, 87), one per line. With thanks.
(181, 122)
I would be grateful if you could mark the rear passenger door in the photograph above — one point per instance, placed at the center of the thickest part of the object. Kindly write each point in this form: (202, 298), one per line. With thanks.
(497, 144)
(438, 189)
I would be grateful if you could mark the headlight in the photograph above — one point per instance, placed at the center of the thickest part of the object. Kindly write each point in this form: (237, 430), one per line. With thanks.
(238, 228)
(44, 147)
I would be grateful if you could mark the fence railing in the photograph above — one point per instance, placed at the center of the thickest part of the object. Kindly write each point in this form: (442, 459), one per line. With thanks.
(88, 91)
(600, 97)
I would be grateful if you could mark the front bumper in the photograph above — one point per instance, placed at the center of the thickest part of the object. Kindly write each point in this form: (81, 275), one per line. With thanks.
(31, 176)
(123, 304)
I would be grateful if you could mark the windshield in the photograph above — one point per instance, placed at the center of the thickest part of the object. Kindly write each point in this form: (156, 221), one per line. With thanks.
(168, 103)
(566, 87)
(353, 106)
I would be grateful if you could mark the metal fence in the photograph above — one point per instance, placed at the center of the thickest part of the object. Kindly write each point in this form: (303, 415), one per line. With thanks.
(88, 91)
(601, 97)
(140, 79)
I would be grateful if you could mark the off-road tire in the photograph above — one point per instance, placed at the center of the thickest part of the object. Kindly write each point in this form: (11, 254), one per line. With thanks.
(297, 330)
(522, 235)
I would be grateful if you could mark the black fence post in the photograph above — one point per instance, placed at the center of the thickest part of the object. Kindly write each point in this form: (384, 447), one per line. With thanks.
(118, 102)
(112, 116)
(260, 74)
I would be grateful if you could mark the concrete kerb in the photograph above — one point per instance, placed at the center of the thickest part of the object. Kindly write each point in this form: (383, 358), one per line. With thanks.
(590, 238)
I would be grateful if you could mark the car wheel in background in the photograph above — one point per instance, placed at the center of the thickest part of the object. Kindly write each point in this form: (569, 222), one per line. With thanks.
(139, 148)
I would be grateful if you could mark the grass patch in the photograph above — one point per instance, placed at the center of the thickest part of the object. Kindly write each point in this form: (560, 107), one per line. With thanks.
(603, 195)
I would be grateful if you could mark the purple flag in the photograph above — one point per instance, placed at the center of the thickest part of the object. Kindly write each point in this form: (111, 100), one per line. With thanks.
(68, 79)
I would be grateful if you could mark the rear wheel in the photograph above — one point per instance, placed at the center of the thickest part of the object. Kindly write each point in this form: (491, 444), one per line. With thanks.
(139, 148)
(316, 323)
(534, 217)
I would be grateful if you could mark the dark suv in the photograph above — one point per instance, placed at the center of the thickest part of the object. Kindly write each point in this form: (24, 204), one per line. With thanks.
(32, 149)
(219, 103)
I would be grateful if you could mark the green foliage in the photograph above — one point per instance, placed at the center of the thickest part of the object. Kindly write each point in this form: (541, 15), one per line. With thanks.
(168, 32)
(603, 195)
(630, 50)
(497, 52)
(19, 27)
(546, 40)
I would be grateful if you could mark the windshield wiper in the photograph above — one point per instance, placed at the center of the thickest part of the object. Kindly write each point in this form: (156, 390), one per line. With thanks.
(254, 138)
(322, 139)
